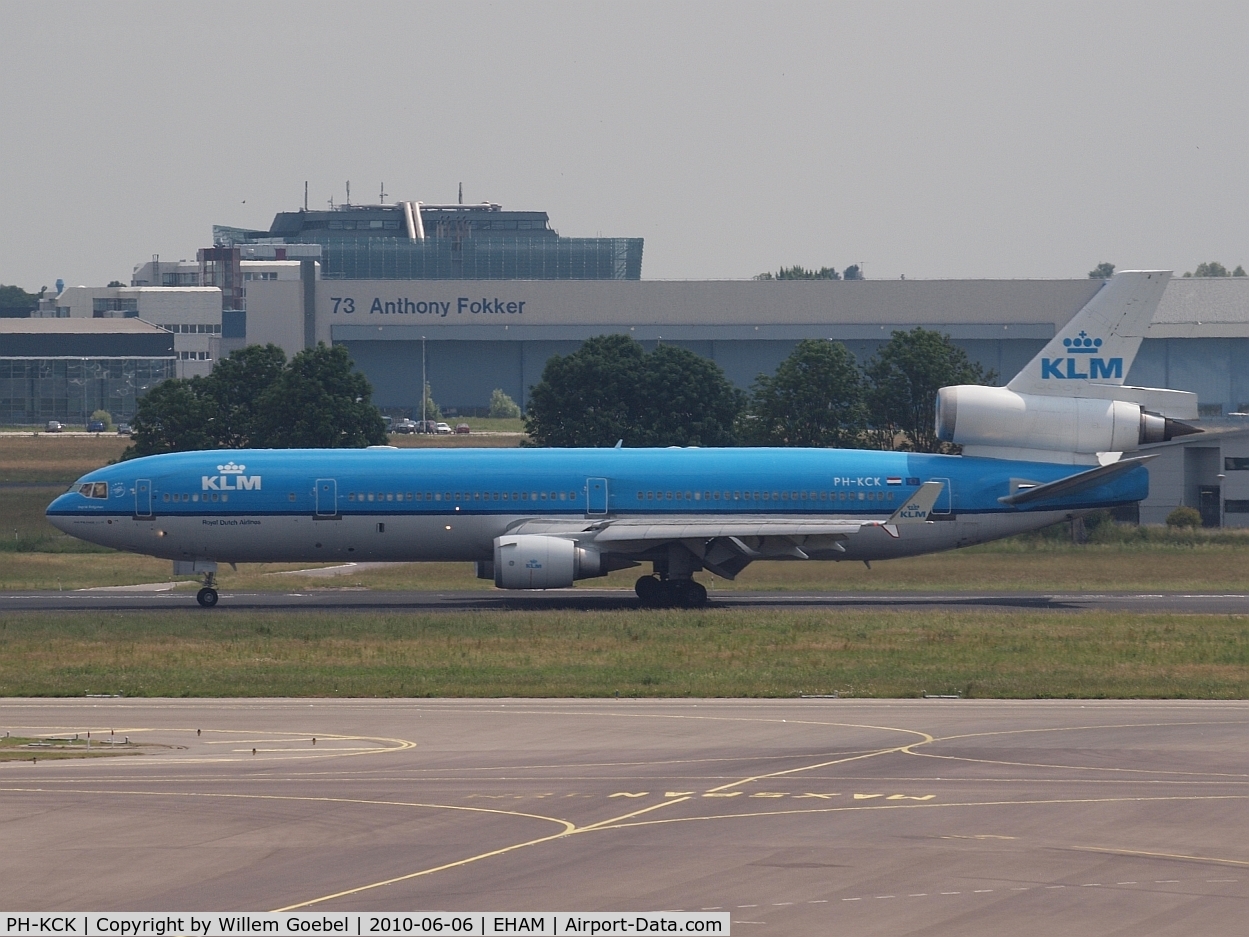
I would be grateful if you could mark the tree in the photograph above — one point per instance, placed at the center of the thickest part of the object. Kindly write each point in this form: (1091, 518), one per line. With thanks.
(814, 399)
(14, 299)
(174, 416)
(113, 283)
(801, 273)
(1211, 269)
(1184, 516)
(853, 272)
(1239, 271)
(683, 399)
(1103, 271)
(254, 399)
(236, 385)
(611, 389)
(430, 408)
(503, 407)
(905, 375)
(585, 398)
(320, 401)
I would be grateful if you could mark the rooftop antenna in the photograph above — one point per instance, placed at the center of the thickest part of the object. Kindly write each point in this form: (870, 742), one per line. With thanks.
(382, 193)
(461, 193)
(305, 195)
(348, 202)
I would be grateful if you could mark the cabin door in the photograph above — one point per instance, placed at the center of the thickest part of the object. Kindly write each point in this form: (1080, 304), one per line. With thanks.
(143, 497)
(596, 496)
(327, 497)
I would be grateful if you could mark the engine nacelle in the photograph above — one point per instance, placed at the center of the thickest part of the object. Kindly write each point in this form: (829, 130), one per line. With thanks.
(530, 561)
(971, 415)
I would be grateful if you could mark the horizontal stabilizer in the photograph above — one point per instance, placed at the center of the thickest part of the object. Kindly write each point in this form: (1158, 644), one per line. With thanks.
(1073, 484)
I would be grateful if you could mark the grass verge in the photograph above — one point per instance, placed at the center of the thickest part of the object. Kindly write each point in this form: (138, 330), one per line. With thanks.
(15, 748)
(712, 653)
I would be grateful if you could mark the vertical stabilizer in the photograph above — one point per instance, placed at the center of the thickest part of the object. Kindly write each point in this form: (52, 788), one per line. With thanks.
(1098, 346)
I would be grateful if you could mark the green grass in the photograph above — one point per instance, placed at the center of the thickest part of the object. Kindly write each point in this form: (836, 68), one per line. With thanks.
(52, 459)
(662, 654)
(24, 529)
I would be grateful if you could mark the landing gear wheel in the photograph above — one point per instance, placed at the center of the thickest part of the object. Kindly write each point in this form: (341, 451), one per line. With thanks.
(650, 591)
(686, 593)
(206, 597)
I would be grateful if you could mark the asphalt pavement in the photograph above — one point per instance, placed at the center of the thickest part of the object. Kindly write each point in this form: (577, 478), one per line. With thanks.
(799, 817)
(136, 598)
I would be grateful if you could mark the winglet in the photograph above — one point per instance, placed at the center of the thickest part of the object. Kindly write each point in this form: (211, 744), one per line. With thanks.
(915, 509)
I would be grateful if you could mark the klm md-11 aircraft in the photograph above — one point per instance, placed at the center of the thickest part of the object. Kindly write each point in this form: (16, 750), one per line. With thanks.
(1048, 446)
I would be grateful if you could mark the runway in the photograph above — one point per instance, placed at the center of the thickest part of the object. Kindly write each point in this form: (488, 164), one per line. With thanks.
(607, 599)
(799, 817)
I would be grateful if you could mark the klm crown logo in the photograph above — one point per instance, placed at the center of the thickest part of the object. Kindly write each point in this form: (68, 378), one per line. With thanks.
(231, 469)
(1069, 368)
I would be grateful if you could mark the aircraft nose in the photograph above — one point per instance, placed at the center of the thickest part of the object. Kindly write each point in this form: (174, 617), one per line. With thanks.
(57, 513)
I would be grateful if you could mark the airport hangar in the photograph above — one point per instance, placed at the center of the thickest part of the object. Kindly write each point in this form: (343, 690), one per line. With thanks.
(479, 335)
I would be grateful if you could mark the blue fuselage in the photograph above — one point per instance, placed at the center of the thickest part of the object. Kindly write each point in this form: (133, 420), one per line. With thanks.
(270, 505)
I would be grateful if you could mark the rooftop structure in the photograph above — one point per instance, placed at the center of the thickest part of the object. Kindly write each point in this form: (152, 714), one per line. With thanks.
(413, 241)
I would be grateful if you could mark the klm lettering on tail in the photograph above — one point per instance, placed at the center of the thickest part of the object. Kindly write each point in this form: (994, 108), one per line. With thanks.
(230, 479)
(1068, 368)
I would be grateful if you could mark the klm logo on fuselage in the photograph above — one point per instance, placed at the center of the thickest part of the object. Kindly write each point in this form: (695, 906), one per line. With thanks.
(230, 479)
(1094, 367)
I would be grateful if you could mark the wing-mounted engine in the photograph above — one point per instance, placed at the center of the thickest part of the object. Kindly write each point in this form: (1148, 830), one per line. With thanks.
(998, 422)
(530, 561)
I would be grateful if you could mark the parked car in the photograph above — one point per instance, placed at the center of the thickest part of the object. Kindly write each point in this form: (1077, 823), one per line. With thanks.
(441, 428)
(96, 426)
(123, 429)
(404, 426)
(462, 429)
(55, 427)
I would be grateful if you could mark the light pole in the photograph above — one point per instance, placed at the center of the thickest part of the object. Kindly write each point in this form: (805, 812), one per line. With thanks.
(424, 389)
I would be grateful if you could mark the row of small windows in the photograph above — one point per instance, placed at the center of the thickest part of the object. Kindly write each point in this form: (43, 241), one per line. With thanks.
(194, 356)
(193, 328)
(208, 496)
(475, 496)
(825, 496)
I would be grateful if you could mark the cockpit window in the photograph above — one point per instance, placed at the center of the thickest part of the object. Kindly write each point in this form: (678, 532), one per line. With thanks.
(94, 490)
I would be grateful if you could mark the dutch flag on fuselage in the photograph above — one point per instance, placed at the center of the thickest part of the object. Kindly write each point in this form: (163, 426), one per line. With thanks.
(893, 480)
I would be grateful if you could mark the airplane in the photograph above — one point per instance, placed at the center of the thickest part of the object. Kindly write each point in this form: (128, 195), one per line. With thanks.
(1047, 447)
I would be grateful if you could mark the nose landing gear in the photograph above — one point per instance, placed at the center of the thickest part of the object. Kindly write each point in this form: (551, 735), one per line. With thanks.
(670, 593)
(207, 596)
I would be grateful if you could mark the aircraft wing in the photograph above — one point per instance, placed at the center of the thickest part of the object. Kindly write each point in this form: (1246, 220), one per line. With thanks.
(687, 528)
(726, 545)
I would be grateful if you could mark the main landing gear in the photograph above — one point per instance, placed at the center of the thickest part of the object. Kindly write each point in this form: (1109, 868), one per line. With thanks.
(670, 593)
(207, 596)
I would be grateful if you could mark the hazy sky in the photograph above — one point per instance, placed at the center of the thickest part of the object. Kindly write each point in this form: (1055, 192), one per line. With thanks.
(927, 139)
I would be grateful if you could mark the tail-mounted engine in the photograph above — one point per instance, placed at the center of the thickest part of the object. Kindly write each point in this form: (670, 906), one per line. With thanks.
(998, 418)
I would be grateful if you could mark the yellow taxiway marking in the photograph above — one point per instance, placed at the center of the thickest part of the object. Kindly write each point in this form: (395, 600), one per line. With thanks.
(1159, 855)
(571, 830)
(926, 806)
(1083, 728)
